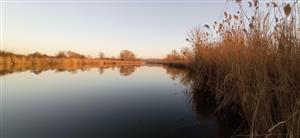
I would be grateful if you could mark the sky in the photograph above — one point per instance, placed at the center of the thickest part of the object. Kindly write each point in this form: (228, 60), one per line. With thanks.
(150, 29)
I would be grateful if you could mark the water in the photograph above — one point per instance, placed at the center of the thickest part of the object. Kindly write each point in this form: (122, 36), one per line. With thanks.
(134, 102)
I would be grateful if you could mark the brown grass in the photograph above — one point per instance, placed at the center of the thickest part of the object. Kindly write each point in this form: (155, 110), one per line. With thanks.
(10, 62)
(253, 66)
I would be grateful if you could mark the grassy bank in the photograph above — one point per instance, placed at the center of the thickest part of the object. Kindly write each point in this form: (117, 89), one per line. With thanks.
(251, 64)
(10, 62)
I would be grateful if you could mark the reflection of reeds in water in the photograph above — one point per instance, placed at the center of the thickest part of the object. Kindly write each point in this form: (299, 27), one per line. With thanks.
(204, 103)
(10, 63)
(178, 72)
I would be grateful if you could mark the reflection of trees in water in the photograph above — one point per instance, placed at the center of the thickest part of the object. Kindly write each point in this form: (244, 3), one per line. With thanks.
(126, 70)
(37, 71)
(101, 70)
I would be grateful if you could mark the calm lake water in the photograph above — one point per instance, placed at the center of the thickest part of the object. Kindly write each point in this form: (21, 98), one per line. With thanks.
(133, 102)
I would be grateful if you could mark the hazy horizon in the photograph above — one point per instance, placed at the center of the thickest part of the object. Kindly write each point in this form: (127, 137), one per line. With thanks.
(150, 29)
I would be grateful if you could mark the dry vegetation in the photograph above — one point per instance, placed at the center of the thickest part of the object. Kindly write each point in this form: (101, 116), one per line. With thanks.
(71, 61)
(250, 61)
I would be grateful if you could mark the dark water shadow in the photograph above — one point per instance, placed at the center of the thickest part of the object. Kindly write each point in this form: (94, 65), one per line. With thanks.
(205, 106)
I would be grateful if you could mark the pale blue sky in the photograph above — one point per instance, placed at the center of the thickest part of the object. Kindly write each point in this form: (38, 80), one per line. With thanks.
(150, 29)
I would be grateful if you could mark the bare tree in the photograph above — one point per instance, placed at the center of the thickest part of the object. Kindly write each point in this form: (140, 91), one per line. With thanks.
(127, 55)
(101, 55)
(75, 55)
(61, 54)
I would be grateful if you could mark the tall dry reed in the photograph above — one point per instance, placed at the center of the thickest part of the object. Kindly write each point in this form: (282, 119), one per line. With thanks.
(252, 63)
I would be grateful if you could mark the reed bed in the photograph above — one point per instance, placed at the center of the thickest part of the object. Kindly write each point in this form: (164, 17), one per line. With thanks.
(251, 64)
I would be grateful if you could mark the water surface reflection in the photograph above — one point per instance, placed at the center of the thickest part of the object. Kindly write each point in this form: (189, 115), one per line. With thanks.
(125, 70)
(151, 101)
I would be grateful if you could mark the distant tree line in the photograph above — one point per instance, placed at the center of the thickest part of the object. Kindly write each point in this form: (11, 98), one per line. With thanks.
(124, 55)
(69, 54)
